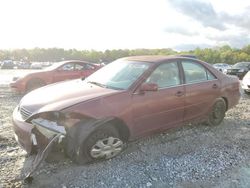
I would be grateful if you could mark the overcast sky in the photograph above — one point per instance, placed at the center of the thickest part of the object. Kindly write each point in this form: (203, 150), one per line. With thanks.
(124, 24)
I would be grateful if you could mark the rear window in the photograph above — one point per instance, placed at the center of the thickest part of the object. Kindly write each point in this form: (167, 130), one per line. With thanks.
(195, 72)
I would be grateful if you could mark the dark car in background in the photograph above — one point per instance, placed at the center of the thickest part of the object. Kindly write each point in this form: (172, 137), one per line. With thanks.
(127, 99)
(7, 64)
(239, 69)
(65, 70)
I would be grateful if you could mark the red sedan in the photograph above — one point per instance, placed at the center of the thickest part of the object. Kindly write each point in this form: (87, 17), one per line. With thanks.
(127, 99)
(65, 70)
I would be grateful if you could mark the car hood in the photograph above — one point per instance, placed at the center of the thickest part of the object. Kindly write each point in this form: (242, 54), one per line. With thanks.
(61, 95)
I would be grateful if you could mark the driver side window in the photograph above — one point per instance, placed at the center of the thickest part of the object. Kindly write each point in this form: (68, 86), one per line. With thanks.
(165, 75)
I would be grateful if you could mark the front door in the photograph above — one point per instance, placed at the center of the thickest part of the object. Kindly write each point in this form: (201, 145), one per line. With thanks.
(162, 109)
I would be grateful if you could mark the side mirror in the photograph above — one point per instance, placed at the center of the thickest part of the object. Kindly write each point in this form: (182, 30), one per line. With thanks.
(149, 87)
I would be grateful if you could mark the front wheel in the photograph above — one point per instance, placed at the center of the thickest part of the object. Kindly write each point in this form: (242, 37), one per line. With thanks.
(217, 113)
(104, 143)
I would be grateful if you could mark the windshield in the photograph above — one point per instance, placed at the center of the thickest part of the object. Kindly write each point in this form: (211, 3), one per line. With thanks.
(241, 65)
(120, 74)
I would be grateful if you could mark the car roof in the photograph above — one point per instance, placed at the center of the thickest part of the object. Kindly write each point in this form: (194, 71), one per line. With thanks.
(72, 61)
(155, 58)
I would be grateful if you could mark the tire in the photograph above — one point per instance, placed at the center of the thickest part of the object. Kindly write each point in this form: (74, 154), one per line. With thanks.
(34, 84)
(103, 143)
(217, 113)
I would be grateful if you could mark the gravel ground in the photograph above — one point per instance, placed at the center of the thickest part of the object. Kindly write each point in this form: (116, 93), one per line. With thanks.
(191, 156)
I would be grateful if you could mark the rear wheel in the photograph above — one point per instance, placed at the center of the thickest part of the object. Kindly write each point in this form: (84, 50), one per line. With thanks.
(217, 113)
(34, 84)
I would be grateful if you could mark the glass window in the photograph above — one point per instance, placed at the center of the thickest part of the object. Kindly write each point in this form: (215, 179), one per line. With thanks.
(79, 67)
(210, 76)
(120, 74)
(165, 75)
(195, 72)
(89, 67)
(68, 67)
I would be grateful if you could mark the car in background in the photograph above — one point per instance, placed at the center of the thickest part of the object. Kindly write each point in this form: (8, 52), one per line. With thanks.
(245, 84)
(239, 69)
(7, 64)
(222, 67)
(23, 65)
(126, 99)
(57, 72)
(36, 65)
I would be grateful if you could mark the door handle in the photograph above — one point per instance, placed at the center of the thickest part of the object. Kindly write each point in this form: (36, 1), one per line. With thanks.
(179, 93)
(215, 86)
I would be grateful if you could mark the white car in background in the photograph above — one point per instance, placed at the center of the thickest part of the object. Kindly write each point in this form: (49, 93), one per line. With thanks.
(246, 83)
(222, 67)
(36, 65)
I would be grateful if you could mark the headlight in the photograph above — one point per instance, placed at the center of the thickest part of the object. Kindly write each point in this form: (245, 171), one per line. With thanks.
(241, 70)
(52, 116)
(48, 128)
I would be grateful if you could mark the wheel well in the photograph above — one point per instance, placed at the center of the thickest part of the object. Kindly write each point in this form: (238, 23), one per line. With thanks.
(226, 101)
(122, 128)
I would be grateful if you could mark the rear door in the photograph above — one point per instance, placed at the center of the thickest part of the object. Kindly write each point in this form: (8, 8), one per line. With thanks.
(162, 109)
(201, 88)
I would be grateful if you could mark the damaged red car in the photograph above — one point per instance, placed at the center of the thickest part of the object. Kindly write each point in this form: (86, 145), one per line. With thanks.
(65, 70)
(129, 98)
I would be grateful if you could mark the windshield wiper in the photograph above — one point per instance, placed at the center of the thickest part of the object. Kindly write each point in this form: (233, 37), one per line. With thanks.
(96, 83)
(104, 86)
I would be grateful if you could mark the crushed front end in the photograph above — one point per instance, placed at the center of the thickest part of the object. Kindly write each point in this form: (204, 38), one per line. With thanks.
(33, 131)
(37, 133)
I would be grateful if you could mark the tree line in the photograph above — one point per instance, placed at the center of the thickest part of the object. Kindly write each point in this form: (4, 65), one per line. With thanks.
(224, 54)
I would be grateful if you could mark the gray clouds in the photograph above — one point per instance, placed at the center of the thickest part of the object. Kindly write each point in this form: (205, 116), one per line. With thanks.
(200, 11)
(227, 28)
(241, 20)
(204, 13)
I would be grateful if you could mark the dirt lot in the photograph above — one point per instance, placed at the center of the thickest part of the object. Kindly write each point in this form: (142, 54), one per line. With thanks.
(191, 156)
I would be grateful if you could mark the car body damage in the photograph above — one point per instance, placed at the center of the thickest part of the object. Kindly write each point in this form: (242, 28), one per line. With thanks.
(49, 129)
(93, 119)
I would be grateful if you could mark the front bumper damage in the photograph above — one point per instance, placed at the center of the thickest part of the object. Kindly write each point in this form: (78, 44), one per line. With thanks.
(44, 135)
